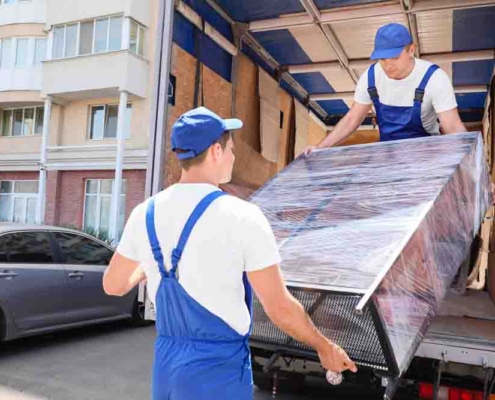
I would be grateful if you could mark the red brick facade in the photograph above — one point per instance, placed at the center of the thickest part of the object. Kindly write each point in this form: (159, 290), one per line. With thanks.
(19, 176)
(66, 190)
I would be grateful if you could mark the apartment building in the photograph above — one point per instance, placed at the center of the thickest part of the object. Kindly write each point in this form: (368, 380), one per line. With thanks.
(73, 77)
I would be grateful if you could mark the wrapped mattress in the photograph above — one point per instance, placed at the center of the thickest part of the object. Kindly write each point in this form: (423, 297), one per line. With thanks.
(371, 238)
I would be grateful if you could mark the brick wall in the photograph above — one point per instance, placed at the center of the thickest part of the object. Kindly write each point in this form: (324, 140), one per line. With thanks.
(65, 204)
(52, 195)
(19, 176)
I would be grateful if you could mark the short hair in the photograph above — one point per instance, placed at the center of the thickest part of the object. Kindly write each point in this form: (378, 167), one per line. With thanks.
(190, 162)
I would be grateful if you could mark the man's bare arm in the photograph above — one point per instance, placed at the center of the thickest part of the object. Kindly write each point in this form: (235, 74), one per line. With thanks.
(346, 126)
(289, 315)
(122, 275)
(450, 122)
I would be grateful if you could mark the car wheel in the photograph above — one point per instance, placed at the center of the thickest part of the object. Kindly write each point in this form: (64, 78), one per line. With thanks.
(137, 318)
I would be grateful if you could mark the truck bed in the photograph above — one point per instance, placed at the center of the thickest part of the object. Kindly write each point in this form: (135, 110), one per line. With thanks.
(463, 332)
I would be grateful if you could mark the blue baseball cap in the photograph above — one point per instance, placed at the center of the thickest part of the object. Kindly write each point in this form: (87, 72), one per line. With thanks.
(198, 129)
(390, 40)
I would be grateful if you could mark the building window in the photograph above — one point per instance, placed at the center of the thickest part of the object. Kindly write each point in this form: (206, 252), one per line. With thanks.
(22, 121)
(18, 201)
(95, 36)
(70, 40)
(21, 55)
(97, 206)
(103, 122)
(5, 52)
(39, 51)
(136, 39)
(19, 52)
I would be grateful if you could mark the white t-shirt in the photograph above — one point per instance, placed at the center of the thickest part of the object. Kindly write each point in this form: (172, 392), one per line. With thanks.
(231, 237)
(439, 93)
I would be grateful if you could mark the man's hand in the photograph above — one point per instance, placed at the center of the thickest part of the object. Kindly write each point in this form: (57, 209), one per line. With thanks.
(492, 186)
(122, 275)
(334, 358)
(309, 149)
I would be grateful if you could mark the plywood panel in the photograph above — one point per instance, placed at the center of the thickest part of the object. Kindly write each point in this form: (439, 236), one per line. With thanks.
(358, 37)
(316, 130)
(302, 128)
(270, 131)
(247, 106)
(314, 43)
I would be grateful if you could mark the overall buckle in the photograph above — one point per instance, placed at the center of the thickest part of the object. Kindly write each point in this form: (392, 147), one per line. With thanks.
(419, 95)
(373, 92)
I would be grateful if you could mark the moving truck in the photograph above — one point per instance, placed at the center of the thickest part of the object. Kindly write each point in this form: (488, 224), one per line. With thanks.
(288, 69)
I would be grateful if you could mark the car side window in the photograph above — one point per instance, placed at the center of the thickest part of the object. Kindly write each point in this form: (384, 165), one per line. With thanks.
(3, 250)
(80, 250)
(27, 248)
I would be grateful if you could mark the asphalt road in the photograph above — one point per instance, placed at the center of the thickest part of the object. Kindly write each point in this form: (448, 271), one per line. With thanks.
(106, 362)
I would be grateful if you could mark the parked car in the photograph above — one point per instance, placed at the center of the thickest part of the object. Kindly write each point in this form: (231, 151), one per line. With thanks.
(51, 279)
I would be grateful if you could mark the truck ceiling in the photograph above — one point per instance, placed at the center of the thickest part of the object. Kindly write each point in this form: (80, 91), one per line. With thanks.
(319, 48)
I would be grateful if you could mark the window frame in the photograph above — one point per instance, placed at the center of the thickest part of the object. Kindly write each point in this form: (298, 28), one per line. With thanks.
(36, 41)
(93, 44)
(3, 2)
(11, 50)
(105, 118)
(99, 197)
(139, 32)
(26, 57)
(25, 196)
(11, 129)
(13, 53)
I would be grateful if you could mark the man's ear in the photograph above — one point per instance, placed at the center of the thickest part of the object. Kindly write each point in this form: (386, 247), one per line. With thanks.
(216, 151)
(412, 49)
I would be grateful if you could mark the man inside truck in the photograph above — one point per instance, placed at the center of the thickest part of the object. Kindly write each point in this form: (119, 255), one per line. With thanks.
(413, 98)
(201, 252)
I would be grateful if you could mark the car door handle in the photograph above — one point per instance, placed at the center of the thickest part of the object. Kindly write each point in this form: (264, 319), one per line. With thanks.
(8, 274)
(76, 274)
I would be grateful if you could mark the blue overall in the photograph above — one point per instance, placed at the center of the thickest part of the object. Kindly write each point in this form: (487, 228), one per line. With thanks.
(395, 122)
(197, 355)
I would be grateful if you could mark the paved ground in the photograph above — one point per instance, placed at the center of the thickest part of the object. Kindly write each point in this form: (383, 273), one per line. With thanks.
(108, 362)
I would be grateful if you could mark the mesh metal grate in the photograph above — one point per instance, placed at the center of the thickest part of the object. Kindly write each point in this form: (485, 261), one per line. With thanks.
(334, 314)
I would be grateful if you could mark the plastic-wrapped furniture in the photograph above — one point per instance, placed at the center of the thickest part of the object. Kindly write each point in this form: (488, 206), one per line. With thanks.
(371, 237)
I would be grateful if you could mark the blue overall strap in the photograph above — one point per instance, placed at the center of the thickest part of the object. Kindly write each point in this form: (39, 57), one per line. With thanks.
(373, 92)
(153, 239)
(191, 222)
(420, 91)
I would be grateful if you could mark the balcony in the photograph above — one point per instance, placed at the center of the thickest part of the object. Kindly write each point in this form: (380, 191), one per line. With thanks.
(96, 76)
(64, 11)
(20, 79)
(22, 12)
